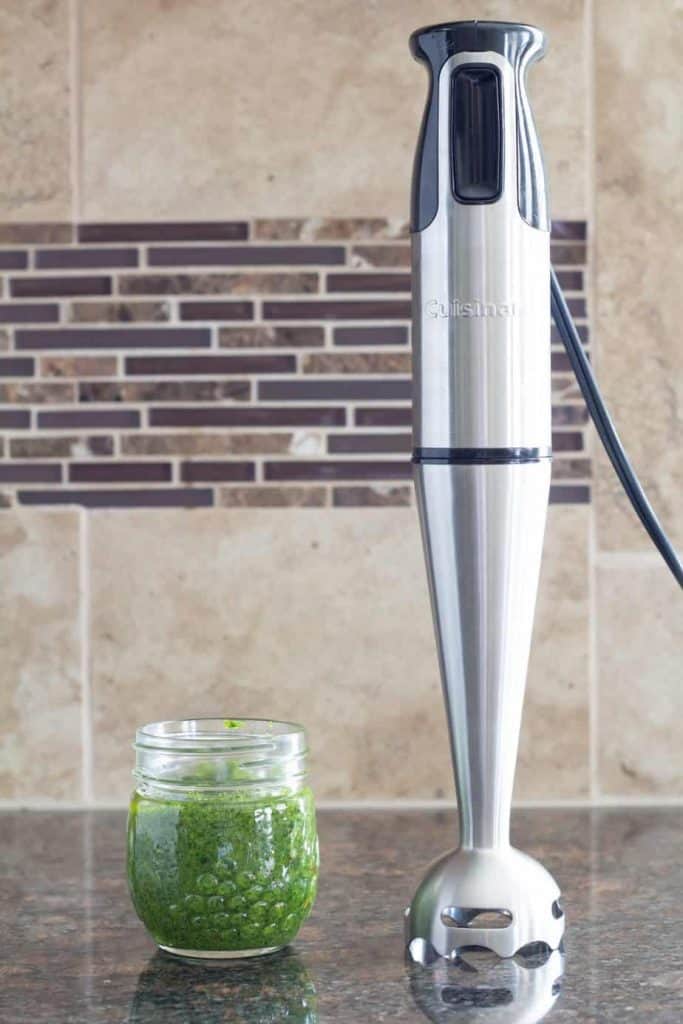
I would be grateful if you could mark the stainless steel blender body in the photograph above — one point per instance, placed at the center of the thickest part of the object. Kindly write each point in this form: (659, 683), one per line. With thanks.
(482, 451)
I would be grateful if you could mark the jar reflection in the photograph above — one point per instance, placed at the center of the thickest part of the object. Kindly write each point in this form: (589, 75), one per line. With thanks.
(269, 990)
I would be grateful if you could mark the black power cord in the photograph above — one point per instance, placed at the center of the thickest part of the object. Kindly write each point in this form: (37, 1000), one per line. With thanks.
(606, 430)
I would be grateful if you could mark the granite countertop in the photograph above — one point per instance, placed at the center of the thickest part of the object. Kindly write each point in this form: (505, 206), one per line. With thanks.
(74, 952)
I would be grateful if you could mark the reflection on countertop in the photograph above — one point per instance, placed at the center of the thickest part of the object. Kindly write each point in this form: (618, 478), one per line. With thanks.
(478, 986)
(270, 990)
(76, 952)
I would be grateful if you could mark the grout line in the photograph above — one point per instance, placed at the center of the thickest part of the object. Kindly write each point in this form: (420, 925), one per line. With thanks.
(593, 660)
(86, 695)
(589, 287)
(75, 110)
(396, 805)
(520, 805)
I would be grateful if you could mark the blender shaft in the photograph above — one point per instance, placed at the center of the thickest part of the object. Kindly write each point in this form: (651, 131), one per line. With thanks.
(482, 528)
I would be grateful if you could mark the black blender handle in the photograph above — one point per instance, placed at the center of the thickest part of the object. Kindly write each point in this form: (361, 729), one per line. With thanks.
(607, 431)
(475, 100)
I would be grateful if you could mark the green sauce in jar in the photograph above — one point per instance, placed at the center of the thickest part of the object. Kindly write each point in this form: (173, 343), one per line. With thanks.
(222, 869)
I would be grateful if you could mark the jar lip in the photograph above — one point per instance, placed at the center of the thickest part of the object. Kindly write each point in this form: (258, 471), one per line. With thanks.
(222, 734)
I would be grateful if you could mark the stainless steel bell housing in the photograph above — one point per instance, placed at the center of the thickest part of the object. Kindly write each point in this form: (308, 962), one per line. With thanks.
(500, 899)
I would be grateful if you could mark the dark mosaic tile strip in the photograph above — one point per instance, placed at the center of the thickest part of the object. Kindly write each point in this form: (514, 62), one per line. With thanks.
(570, 280)
(30, 473)
(567, 442)
(366, 309)
(577, 307)
(171, 497)
(56, 287)
(378, 264)
(337, 470)
(569, 229)
(28, 313)
(16, 367)
(216, 310)
(82, 259)
(569, 494)
(94, 419)
(163, 366)
(321, 390)
(119, 338)
(370, 335)
(354, 443)
(368, 282)
(246, 255)
(400, 416)
(180, 231)
(257, 416)
(559, 362)
(120, 472)
(211, 472)
(15, 419)
(13, 259)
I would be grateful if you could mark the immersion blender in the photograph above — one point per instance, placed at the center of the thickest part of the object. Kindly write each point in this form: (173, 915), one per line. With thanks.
(482, 459)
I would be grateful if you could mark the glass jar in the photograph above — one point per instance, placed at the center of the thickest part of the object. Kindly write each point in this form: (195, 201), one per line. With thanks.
(222, 842)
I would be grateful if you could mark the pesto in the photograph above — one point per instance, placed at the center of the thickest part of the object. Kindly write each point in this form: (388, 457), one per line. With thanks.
(223, 870)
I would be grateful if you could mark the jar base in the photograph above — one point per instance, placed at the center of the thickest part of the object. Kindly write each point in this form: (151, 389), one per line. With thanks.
(218, 954)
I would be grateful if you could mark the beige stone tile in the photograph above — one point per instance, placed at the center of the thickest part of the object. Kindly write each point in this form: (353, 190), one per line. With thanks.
(317, 615)
(40, 749)
(301, 614)
(34, 154)
(639, 224)
(640, 648)
(226, 108)
(554, 749)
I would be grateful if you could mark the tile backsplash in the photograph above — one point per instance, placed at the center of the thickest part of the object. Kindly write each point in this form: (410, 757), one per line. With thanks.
(205, 301)
(262, 362)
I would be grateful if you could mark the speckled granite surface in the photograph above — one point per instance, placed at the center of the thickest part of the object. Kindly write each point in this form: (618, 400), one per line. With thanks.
(74, 953)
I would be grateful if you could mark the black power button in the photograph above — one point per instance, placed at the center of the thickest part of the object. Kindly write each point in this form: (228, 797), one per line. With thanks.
(476, 133)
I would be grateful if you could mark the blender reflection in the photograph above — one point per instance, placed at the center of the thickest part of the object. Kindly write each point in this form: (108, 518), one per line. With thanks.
(477, 986)
(260, 990)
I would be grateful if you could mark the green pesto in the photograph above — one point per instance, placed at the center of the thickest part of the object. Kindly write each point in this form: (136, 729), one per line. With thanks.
(223, 870)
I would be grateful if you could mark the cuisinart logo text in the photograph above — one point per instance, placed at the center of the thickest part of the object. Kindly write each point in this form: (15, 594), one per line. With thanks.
(474, 308)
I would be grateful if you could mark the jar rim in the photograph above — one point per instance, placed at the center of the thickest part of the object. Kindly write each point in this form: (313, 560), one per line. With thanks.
(226, 735)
